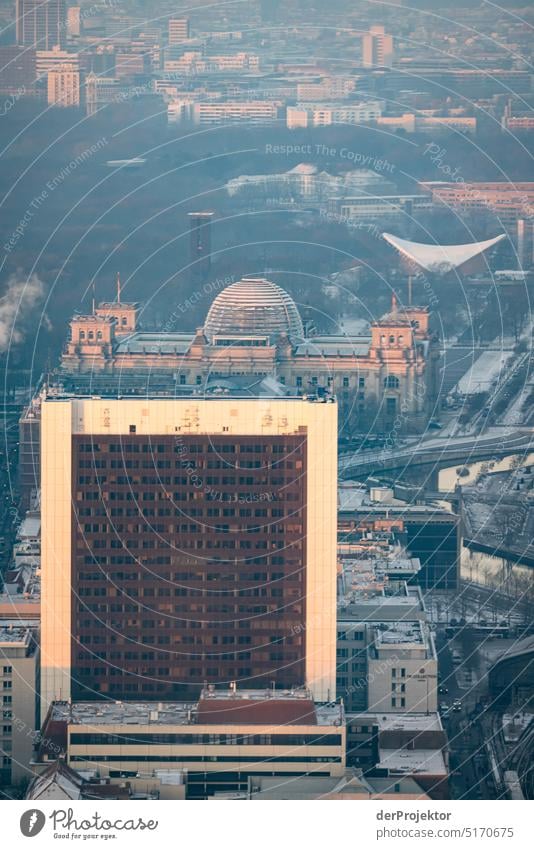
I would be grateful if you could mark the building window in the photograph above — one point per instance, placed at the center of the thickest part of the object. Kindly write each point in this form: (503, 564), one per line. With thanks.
(345, 383)
(182, 380)
(198, 380)
(99, 334)
(82, 334)
(133, 428)
(391, 340)
(391, 382)
(8, 670)
(361, 382)
(91, 335)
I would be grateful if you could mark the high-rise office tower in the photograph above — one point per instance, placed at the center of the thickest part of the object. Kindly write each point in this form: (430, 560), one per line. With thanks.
(17, 70)
(63, 86)
(178, 30)
(42, 24)
(187, 541)
(377, 48)
(200, 243)
(74, 21)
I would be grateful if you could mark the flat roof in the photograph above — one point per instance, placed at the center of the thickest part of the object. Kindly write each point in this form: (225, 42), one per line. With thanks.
(408, 722)
(399, 633)
(378, 609)
(410, 761)
(350, 498)
(13, 635)
(29, 527)
(188, 714)
(239, 387)
(123, 713)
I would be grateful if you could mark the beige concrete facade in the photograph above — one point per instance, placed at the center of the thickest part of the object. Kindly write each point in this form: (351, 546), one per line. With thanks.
(63, 418)
(239, 757)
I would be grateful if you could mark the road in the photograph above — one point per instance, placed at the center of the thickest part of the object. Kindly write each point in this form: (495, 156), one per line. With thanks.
(469, 767)
(439, 450)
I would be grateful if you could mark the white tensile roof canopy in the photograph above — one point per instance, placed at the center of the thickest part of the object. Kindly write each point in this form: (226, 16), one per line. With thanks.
(440, 259)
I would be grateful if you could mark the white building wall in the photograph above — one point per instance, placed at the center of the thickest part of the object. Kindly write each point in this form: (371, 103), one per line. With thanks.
(419, 681)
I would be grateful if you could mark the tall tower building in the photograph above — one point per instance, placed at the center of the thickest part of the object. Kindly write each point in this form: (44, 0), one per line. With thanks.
(377, 48)
(42, 24)
(178, 30)
(200, 242)
(187, 541)
(63, 86)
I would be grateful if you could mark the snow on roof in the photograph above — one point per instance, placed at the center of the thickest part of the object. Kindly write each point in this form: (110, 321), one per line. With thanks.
(440, 258)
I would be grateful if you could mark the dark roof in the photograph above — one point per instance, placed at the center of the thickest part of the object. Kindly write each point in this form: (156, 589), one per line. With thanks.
(270, 711)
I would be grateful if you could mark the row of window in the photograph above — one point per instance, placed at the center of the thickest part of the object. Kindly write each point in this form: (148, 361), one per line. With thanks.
(199, 759)
(191, 513)
(184, 449)
(162, 465)
(134, 739)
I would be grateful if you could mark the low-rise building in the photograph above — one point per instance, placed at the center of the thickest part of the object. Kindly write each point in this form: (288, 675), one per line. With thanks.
(325, 114)
(386, 658)
(402, 668)
(392, 748)
(379, 207)
(219, 742)
(255, 111)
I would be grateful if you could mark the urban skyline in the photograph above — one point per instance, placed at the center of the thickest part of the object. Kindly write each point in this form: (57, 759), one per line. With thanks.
(266, 343)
